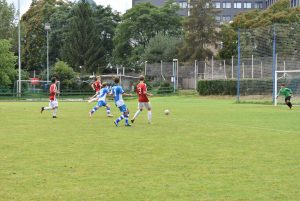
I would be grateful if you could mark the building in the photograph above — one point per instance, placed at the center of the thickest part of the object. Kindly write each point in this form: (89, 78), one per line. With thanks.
(228, 8)
(294, 3)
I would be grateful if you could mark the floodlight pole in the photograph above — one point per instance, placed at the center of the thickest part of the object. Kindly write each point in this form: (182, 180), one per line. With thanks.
(47, 28)
(19, 48)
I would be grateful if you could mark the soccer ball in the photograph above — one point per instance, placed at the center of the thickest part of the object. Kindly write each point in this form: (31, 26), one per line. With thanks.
(167, 112)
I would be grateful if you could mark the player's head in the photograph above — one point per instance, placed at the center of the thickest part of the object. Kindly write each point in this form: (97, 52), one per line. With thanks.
(98, 78)
(116, 80)
(104, 84)
(142, 78)
(282, 85)
(53, 80)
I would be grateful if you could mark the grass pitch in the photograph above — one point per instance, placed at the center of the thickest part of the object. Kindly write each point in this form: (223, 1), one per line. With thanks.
(204, 150)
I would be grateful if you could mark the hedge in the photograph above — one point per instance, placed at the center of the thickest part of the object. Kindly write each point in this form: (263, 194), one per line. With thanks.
(229, 87)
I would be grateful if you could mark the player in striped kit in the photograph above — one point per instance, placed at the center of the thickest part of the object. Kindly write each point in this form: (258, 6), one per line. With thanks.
(101, 98)
(118, 94)
(53, 104)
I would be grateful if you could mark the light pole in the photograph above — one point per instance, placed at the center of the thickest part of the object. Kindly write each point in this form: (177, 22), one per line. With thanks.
(47, 28)
(19, 48)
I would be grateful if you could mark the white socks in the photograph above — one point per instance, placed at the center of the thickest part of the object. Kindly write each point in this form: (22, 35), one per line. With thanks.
(136, 114)
(149, 116)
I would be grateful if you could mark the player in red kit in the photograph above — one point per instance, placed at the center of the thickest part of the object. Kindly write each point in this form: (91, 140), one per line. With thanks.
(53, 104)
(97, 84)
(141, 90)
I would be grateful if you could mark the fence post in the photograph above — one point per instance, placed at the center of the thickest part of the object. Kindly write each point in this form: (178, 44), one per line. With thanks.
(252, 67)
(225, 70)
(238, 69)
(274, 65)
(146, 68)
(212, 67)
(196, 73)
(205, 69)
(232, 67)
(243, 65)
(261, 70)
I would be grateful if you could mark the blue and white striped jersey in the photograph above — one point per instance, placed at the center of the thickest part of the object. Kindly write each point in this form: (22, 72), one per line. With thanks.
(102, 94)
(117, 92)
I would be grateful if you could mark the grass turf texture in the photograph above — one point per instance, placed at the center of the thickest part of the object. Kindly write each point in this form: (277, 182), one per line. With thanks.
(204, 150)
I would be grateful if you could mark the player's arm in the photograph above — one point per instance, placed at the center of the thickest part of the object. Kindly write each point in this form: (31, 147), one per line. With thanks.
(92, 85)
(146, 92)
(126, 94)
(278, 94)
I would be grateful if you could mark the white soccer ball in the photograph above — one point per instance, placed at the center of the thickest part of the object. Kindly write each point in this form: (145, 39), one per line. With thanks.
(167, 112)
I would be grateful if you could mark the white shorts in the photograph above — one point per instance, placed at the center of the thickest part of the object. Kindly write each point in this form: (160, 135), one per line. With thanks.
(53, 103)
(144, 105)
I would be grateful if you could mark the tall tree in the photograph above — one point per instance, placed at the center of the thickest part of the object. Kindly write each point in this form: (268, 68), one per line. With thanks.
(200, 31)
(6, 20)
(89, 36)
(33, 21)
(141, 23)
(7, 63)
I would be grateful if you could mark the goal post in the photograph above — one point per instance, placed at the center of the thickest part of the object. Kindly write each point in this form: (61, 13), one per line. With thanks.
(291, 78)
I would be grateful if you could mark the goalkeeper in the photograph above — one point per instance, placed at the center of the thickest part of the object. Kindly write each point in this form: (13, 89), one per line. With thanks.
(287, 93)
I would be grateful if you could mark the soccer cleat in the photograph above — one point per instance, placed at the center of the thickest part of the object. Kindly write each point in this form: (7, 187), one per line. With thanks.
(127, 125)
(116, 123)
(54, 117)
(42, 109)
(132, 120)
(90, 114)
(110, 115)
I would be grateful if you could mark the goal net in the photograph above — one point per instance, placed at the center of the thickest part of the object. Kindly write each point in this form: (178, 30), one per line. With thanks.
(291, 79)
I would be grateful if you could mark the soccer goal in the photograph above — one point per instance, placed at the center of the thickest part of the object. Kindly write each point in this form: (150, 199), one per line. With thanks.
(35, 88)
(291, 79)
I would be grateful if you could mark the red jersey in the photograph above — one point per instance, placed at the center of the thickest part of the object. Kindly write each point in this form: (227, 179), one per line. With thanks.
(141, 90)
(52, 92)
(97, 85)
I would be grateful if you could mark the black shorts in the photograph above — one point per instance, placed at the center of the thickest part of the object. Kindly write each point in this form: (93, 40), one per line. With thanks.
(287, 99)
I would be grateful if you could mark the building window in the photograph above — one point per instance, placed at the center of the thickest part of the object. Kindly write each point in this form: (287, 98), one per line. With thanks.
(226, 18)
(217, 5)
(247, 5)
(258, 5)
(226, 5)
(183, 4)
(237, 5)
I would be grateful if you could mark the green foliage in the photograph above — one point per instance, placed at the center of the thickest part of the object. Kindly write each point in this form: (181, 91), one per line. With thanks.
(200, 31)
(140, 24)
(64, 73)
(228, 87)
(6, 20)
(165, 88)
(89, 36)
(228, 36)
(7, 63)
(161, 48)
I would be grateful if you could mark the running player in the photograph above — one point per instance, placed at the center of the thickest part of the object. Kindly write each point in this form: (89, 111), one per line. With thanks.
(287, 93)
(141, 90)
(53, 104)
(118, 94)
(101, 98)
(96, 85)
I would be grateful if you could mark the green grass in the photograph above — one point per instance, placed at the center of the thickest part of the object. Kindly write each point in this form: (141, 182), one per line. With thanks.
(205, 149)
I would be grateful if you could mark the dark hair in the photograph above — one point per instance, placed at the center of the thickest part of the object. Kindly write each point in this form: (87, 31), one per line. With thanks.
(282, 85)
(142, 77)
(104, 84)
(116, 80)
(53, 79)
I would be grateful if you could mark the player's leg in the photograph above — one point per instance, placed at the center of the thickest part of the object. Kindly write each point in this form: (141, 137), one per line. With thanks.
(121, 108)
(47, 108)
(54, 105)
(288, 102)
(140, 109)
(94, 110)
(149, 108)
(108, 110)
(126, 117)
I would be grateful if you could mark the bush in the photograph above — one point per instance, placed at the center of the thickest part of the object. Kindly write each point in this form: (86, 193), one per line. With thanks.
(165, 87)
(229, 87)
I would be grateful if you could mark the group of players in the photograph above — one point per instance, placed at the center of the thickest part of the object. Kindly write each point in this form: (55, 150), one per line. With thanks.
(101, 91)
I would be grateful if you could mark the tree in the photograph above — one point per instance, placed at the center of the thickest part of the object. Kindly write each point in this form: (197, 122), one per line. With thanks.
(33, 21)
(141, 23)
(7, 20)
(7, 63)
(161, 47)
(64, 73)
(228, 37)
(200, 31)
(89, 39)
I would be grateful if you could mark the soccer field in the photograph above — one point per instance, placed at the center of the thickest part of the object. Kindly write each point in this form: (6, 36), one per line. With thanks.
(206, 149)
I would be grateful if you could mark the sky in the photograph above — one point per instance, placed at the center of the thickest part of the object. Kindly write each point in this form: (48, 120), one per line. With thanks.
(119, 5)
